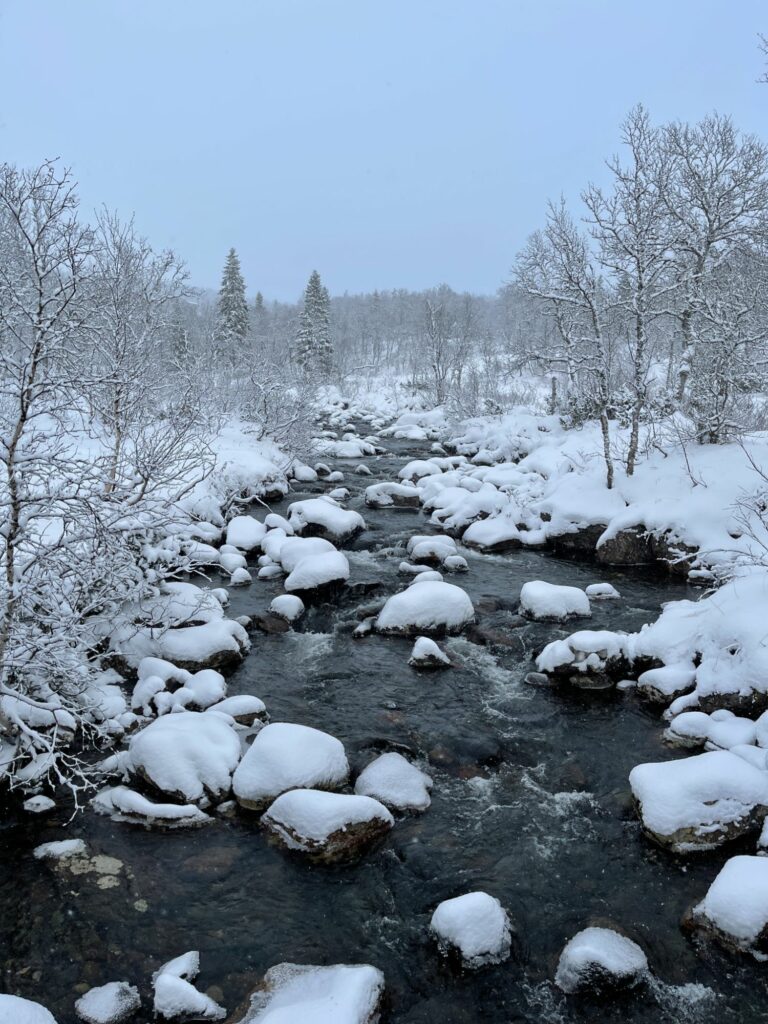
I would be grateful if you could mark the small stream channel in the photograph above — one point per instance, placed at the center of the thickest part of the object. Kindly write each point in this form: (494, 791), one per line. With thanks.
(530, 803)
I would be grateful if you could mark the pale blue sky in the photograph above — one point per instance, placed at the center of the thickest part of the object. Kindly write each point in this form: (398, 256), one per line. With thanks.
(389, 143)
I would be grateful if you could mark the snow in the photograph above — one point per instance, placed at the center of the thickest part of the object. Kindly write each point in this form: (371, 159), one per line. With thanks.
(596, 952)
(697, 802)
(15, 1010)
(396, 783)
(124, 804)
(385, 495)
(108, 1004)
(720, 730)
(188, 754)
(230, 562)
(176, 997)
(736, 903)
(667, 682)
(151, 693)
(426, 606)
(241, 706)
(308, 817)
(306, 994)
(318, 571)
(60, 849)
(293, 550)
(476, 925)
(602, 592)
(495, 532)
(287, 606)
(324, 516)
(195, 646)
(240, 578)
(245, 532)
(426, 575)
(428, 654)
(540, 600)
(39, 804)
(286, 756)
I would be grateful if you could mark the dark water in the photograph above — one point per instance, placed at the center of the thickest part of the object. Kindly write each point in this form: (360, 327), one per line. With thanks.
(530, 803)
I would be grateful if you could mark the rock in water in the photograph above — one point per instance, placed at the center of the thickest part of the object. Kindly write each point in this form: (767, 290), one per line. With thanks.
(426, 607)
(735, 909)
(327, 826)
(339, 994)
(286, 756)
(112, 1003)
(474, 925)
(597, 959)
(396, 783)
(15, 1010)
(546, 601)
(427, 654)
(176, 998)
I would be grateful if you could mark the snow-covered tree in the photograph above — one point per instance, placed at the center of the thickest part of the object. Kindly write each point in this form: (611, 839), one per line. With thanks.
(232, 310)
(313, 349)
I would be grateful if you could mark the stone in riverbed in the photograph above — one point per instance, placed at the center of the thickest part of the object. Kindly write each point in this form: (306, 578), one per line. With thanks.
(600, 959)
(341, 993)
(15, 1010)
(176, 998)
(327, 827)
(113, 1003)
(396, 783)
(475, 926)
(427, 655)
(735, 908)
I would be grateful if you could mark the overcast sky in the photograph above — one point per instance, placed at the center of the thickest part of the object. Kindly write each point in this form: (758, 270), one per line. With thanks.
(389, 143)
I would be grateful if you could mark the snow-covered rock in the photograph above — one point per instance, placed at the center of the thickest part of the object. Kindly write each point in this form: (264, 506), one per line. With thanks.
(286, 756)
(324, 518)
(735, 908)
(39, 804)
(231, 561)
(476, 926)
(719, 731)
(597, 959)
(426, 607)
(244, 708)
(287, 606)
(496, 533)
(292, 550)
(339, 494)
(362, 470)
(388, 495)
(112, 1003)
(427, 549)
(124, 804)
(662, 685)
(303, 474)
(176, 998)
(15, 1010)
(396, 783)
(315, 571)
(189, 756)
(602, 592)
(427, 654)
(540, 600)
(240, 578)
(305, 994)
(326, 826)
(699, 802)
(60, 849)
(427, 576)
(216, 644)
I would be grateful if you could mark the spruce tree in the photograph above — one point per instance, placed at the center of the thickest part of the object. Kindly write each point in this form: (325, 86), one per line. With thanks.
(232, 309)
(313, 348)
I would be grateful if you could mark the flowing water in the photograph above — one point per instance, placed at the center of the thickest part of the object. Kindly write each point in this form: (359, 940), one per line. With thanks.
(530, 803)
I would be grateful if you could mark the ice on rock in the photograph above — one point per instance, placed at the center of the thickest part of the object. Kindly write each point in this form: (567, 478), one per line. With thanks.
(286, 756)
(112, 1003)
(306, 994)
(596, 959)
(188, 755)
(602, 592)
(427, 654)
(699, 802)
(316, 571)
(176, 998)
(325, 518)
(540, 600)
(124, 804)
(287, 606)
(39, 804)
(662, 685)
(396, 783)
(245, 533)
(476, 926)
(326, 826)
(735, 908)
(426, 607)
(15, 1010)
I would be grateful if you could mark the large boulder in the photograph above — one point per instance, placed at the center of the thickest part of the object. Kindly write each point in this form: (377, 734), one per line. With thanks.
(426, 607)
(322, 517)
(547, 601)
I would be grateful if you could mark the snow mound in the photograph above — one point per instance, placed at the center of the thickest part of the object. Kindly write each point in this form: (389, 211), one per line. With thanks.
(699, 802)
(286, 756)
(339, 994)
(15, 1010)
(599, 958)
(245, 532)
(112, 1003)
(244, 708)
(190, 756)
(318, 571)
(735, 907)
(39, 804)
(123, 804)
(287, 606)
(426, 607)
(329, 826)
(602, 592)
(719, 731)
(325, 518)
(396, 783)
(391, 495)
(176, 996)
(476, 926)
(427, 654)
(540, 600)
(292, 550)
(496, 533)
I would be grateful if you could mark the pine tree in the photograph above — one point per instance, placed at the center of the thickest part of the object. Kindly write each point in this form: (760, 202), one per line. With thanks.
(314, 349)
(232, 309)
